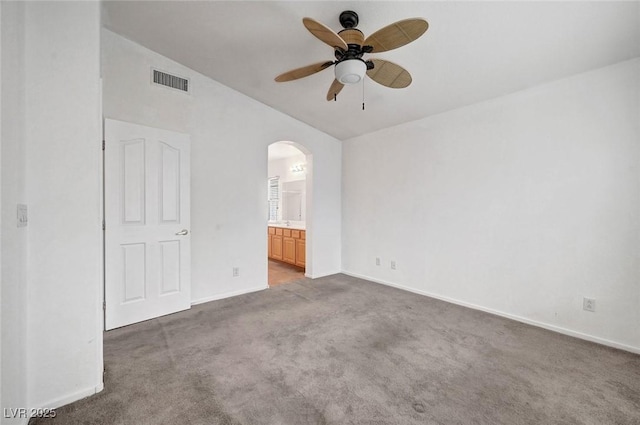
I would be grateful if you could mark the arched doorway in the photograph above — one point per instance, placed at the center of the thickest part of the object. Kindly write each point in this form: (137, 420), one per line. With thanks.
(289, 176)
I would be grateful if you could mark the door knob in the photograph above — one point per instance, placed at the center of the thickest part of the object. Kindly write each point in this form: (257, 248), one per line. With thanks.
(182, 232)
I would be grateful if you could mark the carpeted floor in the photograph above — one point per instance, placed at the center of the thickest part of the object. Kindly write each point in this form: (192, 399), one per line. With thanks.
(340, 350)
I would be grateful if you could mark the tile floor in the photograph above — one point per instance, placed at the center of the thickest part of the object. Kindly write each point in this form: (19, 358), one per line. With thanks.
(280, 273)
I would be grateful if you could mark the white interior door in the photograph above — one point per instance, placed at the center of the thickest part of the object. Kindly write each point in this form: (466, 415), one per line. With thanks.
(147, 219)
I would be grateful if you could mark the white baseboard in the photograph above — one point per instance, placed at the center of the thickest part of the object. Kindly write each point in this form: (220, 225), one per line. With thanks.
(319, 275)
(15, 421)
(70, 398)
(543, 325)
(229, 294)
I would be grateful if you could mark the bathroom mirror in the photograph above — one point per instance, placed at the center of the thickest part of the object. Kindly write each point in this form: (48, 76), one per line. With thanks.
(293, 200)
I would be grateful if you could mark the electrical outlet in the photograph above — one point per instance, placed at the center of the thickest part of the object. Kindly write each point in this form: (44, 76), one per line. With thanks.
(377, 261)
(236, 271)
(393, 265)
(22, 215)
(589, 304)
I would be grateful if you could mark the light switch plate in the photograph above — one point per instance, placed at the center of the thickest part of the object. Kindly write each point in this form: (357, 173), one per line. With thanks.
(22, 215)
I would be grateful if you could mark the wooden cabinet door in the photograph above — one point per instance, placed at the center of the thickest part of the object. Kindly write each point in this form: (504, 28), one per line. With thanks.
(300, 252)
(276, 247)
(289, 250)
(270, 232)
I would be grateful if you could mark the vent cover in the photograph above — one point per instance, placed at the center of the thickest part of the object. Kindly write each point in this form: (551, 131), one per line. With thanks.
(171, 81)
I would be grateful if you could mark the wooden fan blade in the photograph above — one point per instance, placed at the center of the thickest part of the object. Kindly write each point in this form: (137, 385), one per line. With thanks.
(396, 35)
(389, 74)
(325, 34)
(335, 88)
(305, 71)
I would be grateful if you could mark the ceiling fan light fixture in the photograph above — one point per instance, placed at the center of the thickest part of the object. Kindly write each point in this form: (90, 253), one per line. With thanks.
(350, 71)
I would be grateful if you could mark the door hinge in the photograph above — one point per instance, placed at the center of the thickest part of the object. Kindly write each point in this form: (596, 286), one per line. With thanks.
(104, 226)
(104, 305)
(103, 145)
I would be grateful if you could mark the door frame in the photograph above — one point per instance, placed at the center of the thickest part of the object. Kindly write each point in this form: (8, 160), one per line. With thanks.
(308, 270)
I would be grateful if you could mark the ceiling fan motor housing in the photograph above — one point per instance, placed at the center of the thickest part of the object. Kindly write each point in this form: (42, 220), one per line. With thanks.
(352, 36)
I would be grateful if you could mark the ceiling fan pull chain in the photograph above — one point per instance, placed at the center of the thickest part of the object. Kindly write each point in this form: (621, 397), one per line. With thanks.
(363, 94)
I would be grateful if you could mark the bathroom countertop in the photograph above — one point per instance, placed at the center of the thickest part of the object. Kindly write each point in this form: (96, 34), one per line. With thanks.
(294, 226)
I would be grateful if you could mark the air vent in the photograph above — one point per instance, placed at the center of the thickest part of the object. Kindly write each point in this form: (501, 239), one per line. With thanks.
(171, 81)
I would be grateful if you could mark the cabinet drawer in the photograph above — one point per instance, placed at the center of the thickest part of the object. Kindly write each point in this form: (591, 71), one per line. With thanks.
(272, 230)
(278, 231)
(286, 233)
(295, 234)
(303, 234)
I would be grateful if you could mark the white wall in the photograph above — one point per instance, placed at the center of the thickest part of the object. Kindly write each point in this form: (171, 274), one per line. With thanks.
(230, 134)
(521, 205)
(1, 221)
(63, 163)
(13, 309)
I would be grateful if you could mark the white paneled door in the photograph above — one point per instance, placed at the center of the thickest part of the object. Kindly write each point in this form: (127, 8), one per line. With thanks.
(147, 219)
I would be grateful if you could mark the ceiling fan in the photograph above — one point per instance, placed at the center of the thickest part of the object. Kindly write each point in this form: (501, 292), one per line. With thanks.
(350, 46)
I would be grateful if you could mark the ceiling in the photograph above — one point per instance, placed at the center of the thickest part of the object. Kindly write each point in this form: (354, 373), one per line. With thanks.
(473, 51)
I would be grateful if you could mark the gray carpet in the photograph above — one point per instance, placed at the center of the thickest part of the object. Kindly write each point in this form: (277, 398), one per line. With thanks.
(340, 350)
